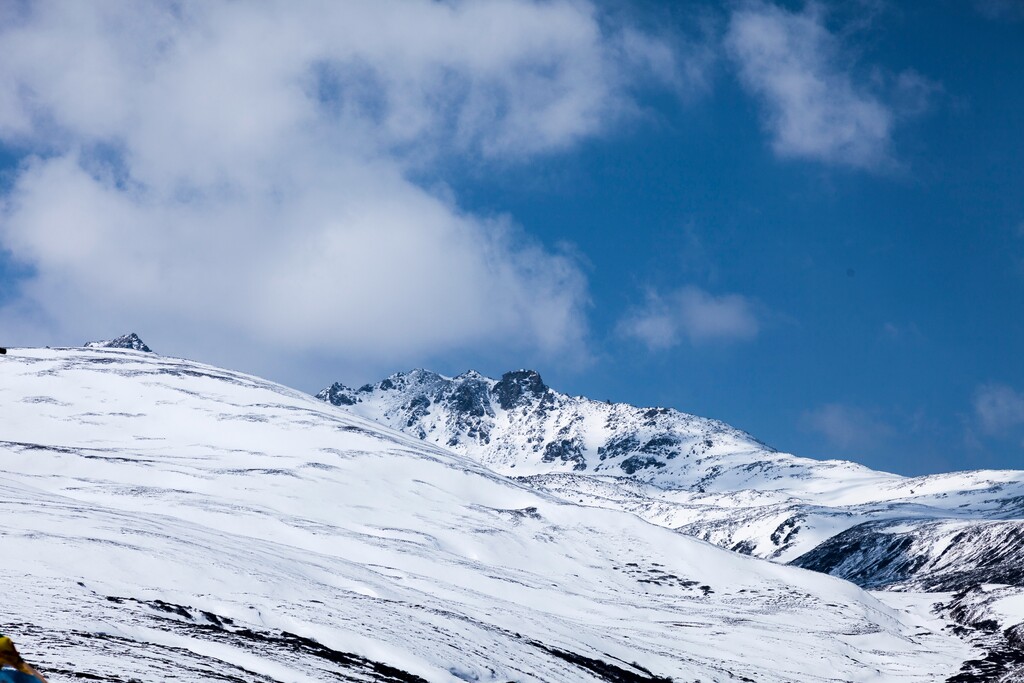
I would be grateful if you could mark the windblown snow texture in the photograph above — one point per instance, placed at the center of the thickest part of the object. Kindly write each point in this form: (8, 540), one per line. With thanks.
(717, 483)
(167, 520)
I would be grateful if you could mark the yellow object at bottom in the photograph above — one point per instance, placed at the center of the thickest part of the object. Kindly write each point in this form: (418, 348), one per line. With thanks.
(9, 657)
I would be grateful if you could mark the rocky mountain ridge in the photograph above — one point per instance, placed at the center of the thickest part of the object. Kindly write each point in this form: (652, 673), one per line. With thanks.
(518, 425)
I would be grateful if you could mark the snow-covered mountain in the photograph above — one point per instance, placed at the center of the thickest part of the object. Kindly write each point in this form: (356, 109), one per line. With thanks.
(168, 520)
(518, 425)
(709, 480)
(125, 341)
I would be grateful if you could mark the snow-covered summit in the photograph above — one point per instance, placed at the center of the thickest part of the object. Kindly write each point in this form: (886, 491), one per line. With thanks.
(125, 341)
(519, 426)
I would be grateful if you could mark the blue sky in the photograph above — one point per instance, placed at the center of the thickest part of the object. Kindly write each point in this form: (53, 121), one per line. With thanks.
(805, 220)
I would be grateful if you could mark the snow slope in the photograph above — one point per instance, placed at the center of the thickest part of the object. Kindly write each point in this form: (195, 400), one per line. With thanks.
(167, 520)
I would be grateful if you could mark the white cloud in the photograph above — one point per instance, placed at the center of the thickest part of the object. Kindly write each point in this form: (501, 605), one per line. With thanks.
(691, 313)
(845, 426)
(998, 408)
(207, 170)
(813, 108)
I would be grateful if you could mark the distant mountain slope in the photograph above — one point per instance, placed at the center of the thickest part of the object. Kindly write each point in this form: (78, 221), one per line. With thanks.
(168, 520)
(701, 476)
(934, 555)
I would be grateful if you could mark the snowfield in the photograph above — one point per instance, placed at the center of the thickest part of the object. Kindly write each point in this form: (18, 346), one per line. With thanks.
(168, 520)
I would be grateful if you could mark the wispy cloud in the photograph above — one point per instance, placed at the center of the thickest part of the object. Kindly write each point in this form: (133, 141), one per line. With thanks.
(901, 332)
(1006, 10)
(218, 170)
(998, 408)
(690, 313)
(846, 427)
(814, 108)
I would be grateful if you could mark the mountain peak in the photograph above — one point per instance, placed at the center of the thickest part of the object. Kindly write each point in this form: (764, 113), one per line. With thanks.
(126, 341)
(470, 374)
(338, 394)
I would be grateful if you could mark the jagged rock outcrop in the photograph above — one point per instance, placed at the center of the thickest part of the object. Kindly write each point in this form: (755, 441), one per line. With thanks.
(125, 341)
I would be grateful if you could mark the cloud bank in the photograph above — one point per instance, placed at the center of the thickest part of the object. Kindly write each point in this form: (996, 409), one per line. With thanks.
(236, 170)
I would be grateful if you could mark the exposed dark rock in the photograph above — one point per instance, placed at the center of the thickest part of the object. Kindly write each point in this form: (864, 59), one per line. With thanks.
(566, 450)
(744, 547)
(417, 408)
(605, 670)
(639, 462)
(787, 531)
(652, 414)
(664, 445)
(470, 397)
(518, 385)
(618, 446)
(339, 395)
